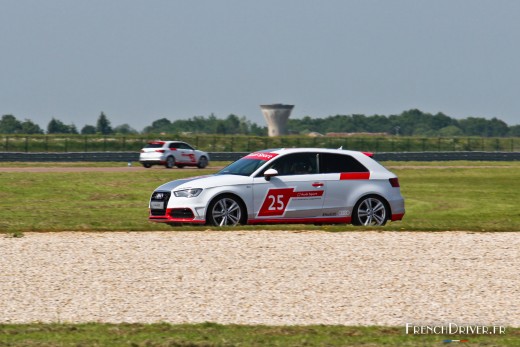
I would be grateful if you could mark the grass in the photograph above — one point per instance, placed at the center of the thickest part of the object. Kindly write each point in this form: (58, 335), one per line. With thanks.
(453, 196)
(211, 334)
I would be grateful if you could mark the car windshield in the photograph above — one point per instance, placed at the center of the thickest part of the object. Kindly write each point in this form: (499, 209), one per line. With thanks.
(242, 167)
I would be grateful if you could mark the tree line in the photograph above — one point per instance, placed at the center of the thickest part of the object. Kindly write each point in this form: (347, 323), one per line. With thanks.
(409, 123)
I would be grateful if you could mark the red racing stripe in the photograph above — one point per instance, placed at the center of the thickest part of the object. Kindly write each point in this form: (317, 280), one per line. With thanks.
(354, 175)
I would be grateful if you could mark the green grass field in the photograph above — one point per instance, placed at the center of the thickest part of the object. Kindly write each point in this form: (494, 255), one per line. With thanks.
(210, 334)
(439, 197)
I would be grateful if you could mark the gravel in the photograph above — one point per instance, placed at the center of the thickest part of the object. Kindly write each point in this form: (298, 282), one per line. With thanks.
(262, 277)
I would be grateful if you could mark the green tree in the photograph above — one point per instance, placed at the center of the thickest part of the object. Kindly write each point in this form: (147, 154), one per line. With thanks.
(88, 130)
(10, 125)
(232, 124)
(124, 129)
(103, 125)
(162, 125)
(28, 127)
(56, 126)
(514, 131)
(450, 131)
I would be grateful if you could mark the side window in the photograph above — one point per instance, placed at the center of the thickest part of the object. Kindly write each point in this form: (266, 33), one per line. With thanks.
(184, 146)
(295, 164)
(174, 145)
(335, 163)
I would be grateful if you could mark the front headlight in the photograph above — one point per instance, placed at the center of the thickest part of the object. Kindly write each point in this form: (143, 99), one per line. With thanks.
(188, 193)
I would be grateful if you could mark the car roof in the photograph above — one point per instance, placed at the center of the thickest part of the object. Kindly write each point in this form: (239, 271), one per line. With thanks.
(161, 142)
(311, 149)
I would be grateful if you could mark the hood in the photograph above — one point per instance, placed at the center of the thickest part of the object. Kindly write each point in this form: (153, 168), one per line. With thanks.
(205, 182)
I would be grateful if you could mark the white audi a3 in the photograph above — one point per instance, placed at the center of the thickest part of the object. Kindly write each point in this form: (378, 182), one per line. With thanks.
(288, 185)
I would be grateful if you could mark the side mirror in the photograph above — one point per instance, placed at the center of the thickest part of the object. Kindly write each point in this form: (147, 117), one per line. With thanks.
(270, 173)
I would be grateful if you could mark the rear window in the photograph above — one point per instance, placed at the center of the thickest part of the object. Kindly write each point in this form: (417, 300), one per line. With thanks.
(154, 145)
(336, 163)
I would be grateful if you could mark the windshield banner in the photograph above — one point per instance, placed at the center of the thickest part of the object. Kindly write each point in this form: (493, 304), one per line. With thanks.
(261, 156)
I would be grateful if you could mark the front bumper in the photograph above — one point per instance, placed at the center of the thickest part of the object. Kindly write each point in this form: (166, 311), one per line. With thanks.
(164, 208)
(175, 215)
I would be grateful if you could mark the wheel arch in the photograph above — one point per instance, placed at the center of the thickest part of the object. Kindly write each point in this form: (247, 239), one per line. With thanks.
(221, 194)
(385, 202)
(361, 191)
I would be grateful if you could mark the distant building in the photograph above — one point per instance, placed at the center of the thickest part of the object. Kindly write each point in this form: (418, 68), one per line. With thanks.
(276, 116)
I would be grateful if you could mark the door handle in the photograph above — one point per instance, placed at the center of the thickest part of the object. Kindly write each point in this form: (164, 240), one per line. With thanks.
(318, 184)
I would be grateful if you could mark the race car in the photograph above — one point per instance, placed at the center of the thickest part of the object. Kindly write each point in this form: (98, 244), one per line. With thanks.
(291, 185)
(172, 153)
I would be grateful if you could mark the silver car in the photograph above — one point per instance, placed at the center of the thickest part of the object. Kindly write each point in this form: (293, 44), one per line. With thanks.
(291, 185)
(172, 153)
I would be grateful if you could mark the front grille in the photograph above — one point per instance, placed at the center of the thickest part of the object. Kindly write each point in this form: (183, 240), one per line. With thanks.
(159, 197)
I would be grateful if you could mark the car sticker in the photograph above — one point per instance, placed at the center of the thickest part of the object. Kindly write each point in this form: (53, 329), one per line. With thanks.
(191, 157)
(277, 199)
(354, 175)
(261, 156)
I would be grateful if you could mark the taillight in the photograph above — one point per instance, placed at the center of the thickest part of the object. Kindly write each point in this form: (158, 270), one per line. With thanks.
(394, 182)
(160, 150)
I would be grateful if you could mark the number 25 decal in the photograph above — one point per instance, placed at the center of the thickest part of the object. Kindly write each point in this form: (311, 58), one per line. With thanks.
(277, 203)
(277, 199)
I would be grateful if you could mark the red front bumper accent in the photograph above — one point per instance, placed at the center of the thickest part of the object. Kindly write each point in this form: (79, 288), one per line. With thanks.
(168, 218)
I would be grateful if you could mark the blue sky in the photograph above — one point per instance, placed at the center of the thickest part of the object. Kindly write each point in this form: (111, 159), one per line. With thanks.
(138, 61)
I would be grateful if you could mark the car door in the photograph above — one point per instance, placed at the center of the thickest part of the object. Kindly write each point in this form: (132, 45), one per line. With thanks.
(343, 176)
(186, 154)
(294, 195)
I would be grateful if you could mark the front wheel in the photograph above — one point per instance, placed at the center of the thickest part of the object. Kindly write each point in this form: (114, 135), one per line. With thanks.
(370, 211)
(225, 210)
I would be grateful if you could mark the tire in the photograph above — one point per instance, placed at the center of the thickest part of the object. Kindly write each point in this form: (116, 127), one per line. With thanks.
(147, 165)
(203, 162)
(170, 162)
(371, 210)
(226, 210)
(179, 166)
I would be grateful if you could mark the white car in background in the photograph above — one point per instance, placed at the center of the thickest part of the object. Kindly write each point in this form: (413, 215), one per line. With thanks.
(294, 185)
(172, 153)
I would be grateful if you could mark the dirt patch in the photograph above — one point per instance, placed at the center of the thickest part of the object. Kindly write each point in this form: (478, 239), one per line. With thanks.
(262, 277)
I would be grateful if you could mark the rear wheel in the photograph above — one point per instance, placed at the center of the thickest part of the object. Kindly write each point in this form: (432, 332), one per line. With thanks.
(147, 165)
(371, 210)
(170, 162)
(226, 210)
(203, 162)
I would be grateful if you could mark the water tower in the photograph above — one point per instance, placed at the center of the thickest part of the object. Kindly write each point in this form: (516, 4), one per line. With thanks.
(276, 116)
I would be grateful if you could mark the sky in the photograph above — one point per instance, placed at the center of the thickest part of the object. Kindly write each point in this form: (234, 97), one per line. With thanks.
(141, 60)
